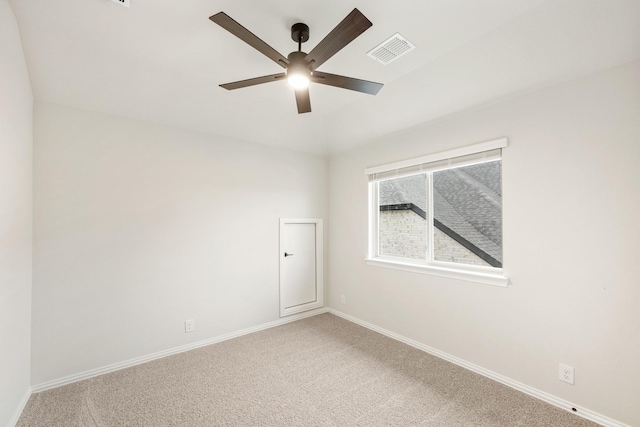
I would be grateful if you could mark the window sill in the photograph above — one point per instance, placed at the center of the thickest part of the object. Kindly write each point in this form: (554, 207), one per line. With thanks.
(487, 278)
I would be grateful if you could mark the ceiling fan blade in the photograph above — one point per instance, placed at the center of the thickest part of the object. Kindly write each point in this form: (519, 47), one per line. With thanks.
(344, 33)
(254, 81)
(343, 82)
(303, 100)
(226, 22)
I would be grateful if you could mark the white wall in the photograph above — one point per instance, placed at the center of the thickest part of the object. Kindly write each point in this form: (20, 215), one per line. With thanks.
(138, 227)
(571, 201)
(16, 113)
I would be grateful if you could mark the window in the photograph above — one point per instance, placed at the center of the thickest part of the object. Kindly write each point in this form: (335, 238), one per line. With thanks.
(440, 214)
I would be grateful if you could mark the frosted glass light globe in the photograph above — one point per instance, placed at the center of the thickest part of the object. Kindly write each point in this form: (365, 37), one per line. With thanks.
(298, 81)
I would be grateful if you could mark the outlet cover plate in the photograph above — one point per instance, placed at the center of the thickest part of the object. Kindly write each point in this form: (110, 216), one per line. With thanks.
(566, 374)
(189, 326)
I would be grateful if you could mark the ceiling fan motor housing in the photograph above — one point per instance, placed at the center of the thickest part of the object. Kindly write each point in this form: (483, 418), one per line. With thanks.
(298, 64)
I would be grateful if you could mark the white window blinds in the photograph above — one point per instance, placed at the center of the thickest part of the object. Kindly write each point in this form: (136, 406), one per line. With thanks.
(464, 156)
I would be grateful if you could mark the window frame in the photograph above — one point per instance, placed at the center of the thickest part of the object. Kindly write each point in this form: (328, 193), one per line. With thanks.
(480, 274)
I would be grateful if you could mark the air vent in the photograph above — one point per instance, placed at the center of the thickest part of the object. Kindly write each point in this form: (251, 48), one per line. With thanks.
(391, 49)
(122, 2)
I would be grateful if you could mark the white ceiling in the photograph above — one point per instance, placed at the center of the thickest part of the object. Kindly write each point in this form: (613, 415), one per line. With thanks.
(162, 61)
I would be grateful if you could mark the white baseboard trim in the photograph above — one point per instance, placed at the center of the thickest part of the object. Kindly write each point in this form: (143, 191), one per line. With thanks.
(23, 403)
(546, 397)
(143, 359)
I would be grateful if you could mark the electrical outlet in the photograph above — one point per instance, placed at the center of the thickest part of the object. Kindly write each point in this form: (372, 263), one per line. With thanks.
(566, 373)
(343, 299)
(189, 325)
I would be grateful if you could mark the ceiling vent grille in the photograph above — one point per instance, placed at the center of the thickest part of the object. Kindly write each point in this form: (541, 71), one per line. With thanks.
(391, 49)
(125, 3)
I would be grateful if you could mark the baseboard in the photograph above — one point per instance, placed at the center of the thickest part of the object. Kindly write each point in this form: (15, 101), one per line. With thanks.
(23, 403)
(546, 397)
(143, 359)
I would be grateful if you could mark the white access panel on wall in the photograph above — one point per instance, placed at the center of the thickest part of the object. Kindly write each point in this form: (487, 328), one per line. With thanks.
(301, 285)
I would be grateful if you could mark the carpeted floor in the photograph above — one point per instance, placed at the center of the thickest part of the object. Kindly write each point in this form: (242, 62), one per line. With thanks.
(320, 371)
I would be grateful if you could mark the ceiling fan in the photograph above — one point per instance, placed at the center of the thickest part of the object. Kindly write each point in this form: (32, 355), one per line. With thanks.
(300, 67)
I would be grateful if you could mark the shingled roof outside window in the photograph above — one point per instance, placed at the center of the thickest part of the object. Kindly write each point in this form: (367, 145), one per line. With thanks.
(467, 204)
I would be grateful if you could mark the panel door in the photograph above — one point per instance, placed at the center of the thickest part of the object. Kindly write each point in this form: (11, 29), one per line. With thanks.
(300, 265)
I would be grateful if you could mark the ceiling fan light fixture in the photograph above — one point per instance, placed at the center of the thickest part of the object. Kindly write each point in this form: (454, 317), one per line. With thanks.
(298, 72)
(298, 80)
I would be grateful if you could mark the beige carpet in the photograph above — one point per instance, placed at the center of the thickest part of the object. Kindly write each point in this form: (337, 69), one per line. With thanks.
(320, 371)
